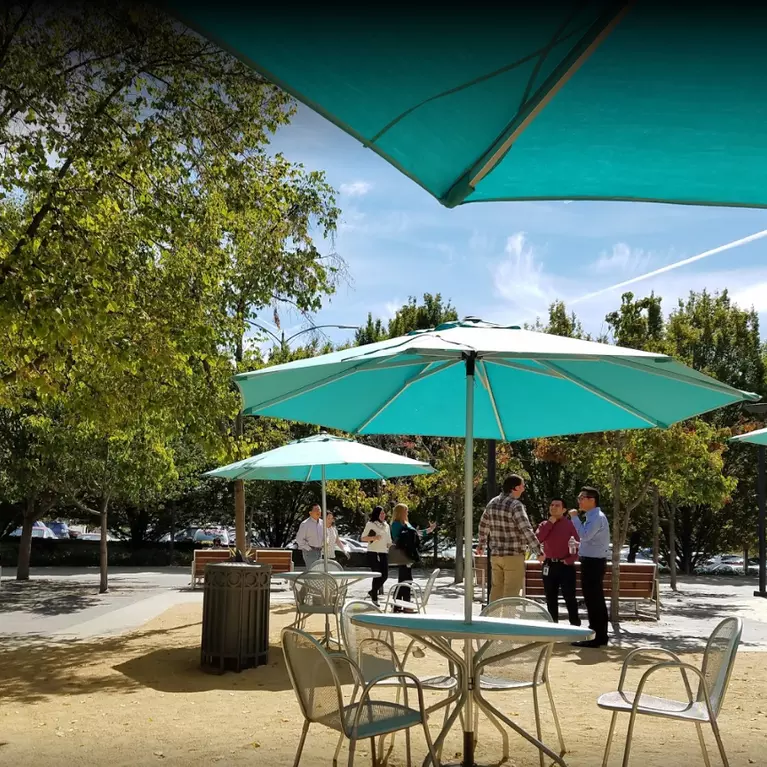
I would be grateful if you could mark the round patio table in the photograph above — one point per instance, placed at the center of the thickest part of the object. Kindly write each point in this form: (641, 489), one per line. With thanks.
(437, 632)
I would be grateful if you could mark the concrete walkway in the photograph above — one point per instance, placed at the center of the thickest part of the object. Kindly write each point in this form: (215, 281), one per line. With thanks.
(60, 604)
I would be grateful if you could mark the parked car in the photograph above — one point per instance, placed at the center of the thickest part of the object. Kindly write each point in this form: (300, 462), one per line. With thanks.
(59, 529)
(354, 545)
(210, 534)
(39, 530)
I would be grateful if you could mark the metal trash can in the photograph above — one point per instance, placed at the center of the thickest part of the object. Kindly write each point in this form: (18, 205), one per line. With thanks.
(235, 616)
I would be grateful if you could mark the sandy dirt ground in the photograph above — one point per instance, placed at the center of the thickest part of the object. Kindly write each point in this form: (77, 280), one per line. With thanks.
(141, 699)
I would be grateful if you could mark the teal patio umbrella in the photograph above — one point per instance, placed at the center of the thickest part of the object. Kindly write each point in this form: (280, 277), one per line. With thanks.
(759, 437)
(319, 458)
(473, 379)
(632, 100)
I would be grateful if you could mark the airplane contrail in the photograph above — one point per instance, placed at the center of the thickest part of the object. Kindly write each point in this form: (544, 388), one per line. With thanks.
(675, 265)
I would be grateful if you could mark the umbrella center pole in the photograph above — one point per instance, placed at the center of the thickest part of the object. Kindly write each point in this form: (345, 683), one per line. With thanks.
(468, 561)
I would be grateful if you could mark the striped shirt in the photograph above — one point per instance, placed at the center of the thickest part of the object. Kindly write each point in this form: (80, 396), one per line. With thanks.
(506, 524)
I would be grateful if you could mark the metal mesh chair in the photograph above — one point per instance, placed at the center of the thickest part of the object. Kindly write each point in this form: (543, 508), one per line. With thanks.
(374, 652)
(316, 593)
(700, 708)
(419, 594)
(315, 676)
(333, 566)
(503, 665)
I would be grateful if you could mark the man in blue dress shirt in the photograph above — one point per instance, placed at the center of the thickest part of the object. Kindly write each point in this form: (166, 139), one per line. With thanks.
(594, 532)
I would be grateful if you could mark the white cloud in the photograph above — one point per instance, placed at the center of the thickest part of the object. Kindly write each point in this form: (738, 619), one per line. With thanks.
(622, 258)
(356, 188)
(753, 296)
(519, 277)
(391, 308)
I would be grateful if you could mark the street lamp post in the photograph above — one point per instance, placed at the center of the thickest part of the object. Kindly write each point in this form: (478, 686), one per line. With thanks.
(242, 536)
(760, 408)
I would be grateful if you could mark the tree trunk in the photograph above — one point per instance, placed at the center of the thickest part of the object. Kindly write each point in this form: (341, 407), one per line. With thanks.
(25, 543)
(616, 559)
(672, 543)
(239, 432)
(655, 526)
(103, 551)
(172, 532)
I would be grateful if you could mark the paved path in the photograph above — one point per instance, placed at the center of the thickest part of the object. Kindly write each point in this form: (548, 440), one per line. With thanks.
(60, 604)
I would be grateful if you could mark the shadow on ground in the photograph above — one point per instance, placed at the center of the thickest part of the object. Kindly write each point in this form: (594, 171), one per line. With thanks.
(33, 671)
(42, 596)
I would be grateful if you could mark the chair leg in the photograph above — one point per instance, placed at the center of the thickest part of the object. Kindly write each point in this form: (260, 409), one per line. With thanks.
(430, 744)
(373, 754)
(629, 736)
(715, 728)
(352, 746)
(562, 745)
(338, 749)
(476, 725)
(408, 760)
(301, 743)
(537, 710)
(706, 760)
(610, 734)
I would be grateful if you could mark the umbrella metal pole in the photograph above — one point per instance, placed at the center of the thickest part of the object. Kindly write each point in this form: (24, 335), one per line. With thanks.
(468, 564)
(761, 493)
(324, 523)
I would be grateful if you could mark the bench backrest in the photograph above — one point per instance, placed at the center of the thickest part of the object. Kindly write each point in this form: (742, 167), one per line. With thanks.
(204, 557)
(637, 581)
(281, 560)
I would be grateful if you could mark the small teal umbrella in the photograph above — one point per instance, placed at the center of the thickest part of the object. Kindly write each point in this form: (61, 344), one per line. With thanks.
(319, 458)
(643, 100)
(758, 437)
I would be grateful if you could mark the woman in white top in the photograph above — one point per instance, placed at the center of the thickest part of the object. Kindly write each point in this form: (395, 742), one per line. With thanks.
(378, 538)
(334, 541)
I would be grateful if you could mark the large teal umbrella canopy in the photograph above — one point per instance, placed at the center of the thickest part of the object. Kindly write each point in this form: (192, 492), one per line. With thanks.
(526, 384)
(644, 100)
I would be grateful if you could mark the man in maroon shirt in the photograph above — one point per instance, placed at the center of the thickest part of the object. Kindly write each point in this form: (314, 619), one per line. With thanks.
(558, 561)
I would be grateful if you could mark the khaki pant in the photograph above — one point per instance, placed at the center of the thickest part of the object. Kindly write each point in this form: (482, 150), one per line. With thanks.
(508, 576)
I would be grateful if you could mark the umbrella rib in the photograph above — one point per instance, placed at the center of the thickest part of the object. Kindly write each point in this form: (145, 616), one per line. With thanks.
(485, 378)
(712, 385)
(605, 396)
(377, 473)
(423, 373)
(524, 368)
(309, 473)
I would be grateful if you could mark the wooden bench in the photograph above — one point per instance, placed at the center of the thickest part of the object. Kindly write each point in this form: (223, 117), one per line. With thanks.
(202, 557)
(281, 561)
(638, 583)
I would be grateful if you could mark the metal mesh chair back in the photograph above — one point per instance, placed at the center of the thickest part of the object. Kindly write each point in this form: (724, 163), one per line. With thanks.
(430, 586)
(719, 659)
(314, 678)
(317, 592)
(370, 648)
(527, 666)
(333, 566)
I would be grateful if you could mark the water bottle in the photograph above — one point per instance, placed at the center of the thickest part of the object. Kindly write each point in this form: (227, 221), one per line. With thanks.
(572, 545)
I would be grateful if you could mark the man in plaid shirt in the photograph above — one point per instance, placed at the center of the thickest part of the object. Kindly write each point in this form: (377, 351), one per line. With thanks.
(506, 525)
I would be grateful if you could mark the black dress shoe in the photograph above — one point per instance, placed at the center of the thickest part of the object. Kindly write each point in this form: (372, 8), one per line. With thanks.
(593, 643)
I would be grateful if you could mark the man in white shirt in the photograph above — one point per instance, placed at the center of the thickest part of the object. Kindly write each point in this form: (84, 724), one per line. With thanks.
(310, 536)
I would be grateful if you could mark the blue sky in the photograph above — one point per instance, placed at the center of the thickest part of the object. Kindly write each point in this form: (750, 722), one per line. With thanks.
(506, 262)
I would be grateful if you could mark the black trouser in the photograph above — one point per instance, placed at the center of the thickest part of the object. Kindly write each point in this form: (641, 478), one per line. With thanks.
(405, 574)
(593, 587)
(560, 576)
(378, 563)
